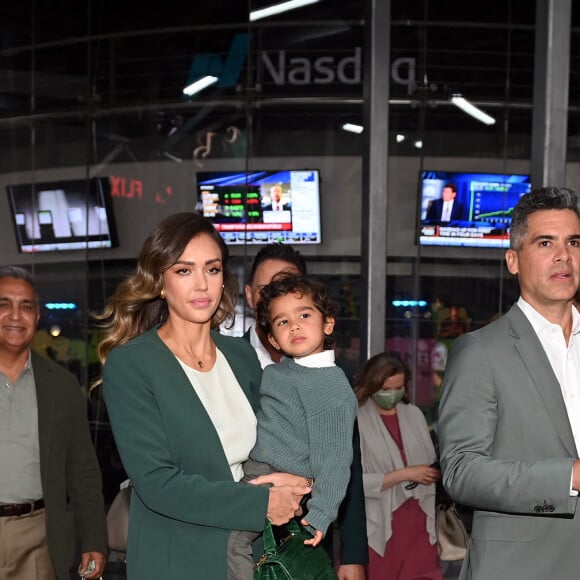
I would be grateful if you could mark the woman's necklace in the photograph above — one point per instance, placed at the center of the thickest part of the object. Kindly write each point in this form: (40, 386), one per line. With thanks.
(189, 357)
(200, 361)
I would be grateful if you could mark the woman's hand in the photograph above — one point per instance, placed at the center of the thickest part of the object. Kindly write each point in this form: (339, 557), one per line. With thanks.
(284, 503)
(318, 535)
(422, 474)
(278, 479)
(417, 474)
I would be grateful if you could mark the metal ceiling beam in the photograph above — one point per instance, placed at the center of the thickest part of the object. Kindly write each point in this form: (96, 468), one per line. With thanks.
(551, 83)
(374, 196)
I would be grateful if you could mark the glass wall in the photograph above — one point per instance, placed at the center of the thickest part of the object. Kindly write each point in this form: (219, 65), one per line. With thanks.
(95, 95)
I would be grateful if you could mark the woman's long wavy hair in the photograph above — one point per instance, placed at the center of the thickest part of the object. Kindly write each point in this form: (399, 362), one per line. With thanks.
(136, 305)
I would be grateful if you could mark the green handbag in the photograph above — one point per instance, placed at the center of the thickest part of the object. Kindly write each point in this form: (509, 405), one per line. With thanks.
(291, 559)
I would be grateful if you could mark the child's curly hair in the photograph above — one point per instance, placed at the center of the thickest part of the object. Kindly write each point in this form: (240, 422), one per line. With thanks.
(284, 284)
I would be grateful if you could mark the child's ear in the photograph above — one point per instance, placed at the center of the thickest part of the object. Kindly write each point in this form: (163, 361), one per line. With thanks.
(329, 325)
(273, 342)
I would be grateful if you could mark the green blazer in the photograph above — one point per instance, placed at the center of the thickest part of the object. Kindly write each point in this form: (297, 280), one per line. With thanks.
(69, 471)
(185, 501)
(507, 449)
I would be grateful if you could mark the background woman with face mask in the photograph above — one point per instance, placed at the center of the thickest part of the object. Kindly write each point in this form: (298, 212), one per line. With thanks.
(399, 482)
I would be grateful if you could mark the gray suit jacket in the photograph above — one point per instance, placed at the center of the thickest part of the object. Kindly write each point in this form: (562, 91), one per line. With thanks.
(69, 471)
(507, 449)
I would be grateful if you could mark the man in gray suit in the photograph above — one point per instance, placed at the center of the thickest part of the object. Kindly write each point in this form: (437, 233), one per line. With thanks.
(509, 424)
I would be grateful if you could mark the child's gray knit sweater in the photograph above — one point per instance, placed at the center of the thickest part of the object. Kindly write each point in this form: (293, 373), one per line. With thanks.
(305, 426)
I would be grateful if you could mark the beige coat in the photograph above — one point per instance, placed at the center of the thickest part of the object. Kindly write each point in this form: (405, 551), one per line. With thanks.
(380, 455)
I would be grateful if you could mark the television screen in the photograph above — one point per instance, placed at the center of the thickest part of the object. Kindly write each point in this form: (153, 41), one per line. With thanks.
(63, 215)
(468, 209)
(260, 207)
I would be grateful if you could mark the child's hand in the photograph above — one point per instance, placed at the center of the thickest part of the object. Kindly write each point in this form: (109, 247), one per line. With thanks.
(318, 535)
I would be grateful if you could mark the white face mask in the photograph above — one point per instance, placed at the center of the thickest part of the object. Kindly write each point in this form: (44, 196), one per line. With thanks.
(388, 399)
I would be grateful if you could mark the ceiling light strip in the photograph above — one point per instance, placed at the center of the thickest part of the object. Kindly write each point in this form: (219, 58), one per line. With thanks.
(352, 128)
(279, 8)
(199, 85)
(472, 110)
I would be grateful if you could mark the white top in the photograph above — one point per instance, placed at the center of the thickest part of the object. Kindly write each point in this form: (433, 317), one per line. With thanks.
(228, 408)
(263, 354)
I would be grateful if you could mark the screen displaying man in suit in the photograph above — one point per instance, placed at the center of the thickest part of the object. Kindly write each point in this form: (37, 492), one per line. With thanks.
(447, 208)
(51, 503)
(276, 203)
(509, 421)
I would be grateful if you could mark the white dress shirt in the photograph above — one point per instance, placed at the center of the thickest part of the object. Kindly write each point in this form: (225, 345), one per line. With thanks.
(262, 352)
(564, 359)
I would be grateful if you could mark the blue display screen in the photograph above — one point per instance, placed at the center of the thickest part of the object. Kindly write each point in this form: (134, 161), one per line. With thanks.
(468, 209)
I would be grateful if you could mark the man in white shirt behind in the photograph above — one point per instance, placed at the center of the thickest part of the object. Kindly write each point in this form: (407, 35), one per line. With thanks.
(271, 260)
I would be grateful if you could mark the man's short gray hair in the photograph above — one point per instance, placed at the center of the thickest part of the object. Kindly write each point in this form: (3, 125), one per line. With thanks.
(543, 198)
(16, 272)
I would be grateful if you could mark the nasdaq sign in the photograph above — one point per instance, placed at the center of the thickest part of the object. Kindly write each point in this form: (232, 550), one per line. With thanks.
(283, 69)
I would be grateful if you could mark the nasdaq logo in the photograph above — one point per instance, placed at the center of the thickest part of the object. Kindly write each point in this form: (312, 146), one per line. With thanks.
(323, 70)
(283, 69)
(227, 70)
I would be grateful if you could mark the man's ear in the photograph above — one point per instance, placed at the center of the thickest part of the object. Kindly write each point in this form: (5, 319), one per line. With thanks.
(249, 297)
(511, 260)
(329, 325)
(273, 342)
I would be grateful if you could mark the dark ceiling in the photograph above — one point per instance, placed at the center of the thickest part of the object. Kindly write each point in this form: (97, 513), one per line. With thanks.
(122, 66)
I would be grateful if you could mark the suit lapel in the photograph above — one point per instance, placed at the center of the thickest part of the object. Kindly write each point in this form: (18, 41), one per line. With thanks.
(536, 361)
(46, 409)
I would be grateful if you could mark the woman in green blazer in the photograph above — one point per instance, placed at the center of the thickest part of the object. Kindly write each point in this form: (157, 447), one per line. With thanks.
(181, 400)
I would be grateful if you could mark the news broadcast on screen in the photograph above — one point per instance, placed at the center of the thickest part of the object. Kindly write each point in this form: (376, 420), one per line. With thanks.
(468, 209)
(260, 207)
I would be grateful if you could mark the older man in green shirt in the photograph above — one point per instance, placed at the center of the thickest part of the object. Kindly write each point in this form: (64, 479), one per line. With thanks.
(52, 518)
